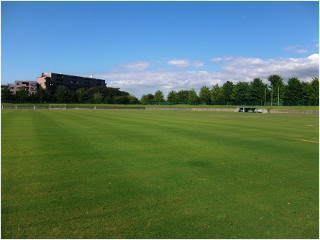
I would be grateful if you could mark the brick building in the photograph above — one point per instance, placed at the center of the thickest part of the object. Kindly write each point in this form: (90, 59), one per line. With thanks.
(30, 86)
(51, 81)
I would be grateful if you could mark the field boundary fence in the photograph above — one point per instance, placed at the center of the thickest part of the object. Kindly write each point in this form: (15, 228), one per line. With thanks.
(246, 103)
(199, 109)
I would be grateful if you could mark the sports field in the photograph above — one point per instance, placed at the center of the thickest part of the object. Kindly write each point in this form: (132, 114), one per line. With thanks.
(158, 174)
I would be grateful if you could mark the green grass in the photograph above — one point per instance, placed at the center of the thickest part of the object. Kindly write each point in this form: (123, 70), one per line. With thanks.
(158, 174)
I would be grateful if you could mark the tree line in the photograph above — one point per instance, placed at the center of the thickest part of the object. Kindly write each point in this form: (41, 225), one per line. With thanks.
(63, 95)
(254, 91)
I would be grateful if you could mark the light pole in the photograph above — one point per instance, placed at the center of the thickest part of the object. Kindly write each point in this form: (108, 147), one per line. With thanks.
(265, 95)
(272, 95)
(278, 95)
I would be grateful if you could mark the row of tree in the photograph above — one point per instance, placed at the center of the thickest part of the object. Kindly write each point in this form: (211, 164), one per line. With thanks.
(62, 95)
(255, 90)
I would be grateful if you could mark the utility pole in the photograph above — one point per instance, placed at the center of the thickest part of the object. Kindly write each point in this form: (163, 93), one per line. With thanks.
(278, 95)
(265, 95)
(272, 95)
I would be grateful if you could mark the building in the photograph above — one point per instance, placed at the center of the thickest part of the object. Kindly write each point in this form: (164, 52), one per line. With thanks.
(30, 86)
(51, 81)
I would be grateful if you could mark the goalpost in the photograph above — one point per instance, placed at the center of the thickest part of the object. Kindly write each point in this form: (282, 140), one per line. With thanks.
(57, 106)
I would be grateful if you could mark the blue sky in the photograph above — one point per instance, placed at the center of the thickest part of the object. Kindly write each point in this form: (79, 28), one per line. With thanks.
(145, 46)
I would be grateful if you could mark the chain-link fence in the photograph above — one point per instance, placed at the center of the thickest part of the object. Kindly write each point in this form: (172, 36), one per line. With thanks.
(246, 103)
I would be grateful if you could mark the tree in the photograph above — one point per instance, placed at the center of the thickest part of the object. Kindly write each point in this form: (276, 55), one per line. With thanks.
(147, 99)
(182, 96)
(172, 96)
(314, 89)
(97, 97)
(277, 85)
(204, 95)
(216, 93)
(42, 95)
(158, 97)
(81, 95)
(73, 97)
(257, 90)
(6, 95)
(144, 99)
(227, 90)
(193, 97)
(306, 90)
(22, 95)
(133, 99)
(124, 99)
(240, 92)
(62, 94)
(294, 89)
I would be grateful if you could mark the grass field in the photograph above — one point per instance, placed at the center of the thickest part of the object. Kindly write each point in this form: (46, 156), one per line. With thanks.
(158, 174)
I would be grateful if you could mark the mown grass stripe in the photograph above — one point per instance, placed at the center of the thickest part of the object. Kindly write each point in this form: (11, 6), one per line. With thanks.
(158, 174)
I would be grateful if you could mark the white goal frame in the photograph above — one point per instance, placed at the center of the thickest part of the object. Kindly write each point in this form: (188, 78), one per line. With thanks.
(57, 106)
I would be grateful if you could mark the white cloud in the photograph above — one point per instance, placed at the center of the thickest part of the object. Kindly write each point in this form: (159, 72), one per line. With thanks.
(302, 51)
(136, 66)
(181, 63)
(219, 59)
(238, 69)
(249, 68)
(295, 49)
(290, 48)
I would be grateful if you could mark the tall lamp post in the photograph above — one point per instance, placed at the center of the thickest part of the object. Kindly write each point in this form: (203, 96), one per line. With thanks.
(278, 95)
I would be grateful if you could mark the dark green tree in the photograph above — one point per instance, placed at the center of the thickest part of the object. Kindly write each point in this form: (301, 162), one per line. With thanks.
(294, 90)
(193, 97)
(81, 95)
(227, 90)
(257, 90)
(22, 95)
(314, 89)
(6, 95)
(62, 94)
(147, 99)
(133, 99)
(276, 85)
(204, 95)
(241, 92)
(97, 97)
(182, 96)
(123, 99)
(172, 96)
(42, 95)
(158, 97)
(306, 90)
(216, 94)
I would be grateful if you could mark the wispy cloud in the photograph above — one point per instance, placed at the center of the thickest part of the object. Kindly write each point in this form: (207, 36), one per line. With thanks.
(135, 66)
(182, 63)
(235, 70)
(302, 51)
(220, 59)
(295, 49)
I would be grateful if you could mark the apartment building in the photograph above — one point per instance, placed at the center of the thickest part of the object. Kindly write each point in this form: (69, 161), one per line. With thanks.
(30, 86)
(51, 81)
